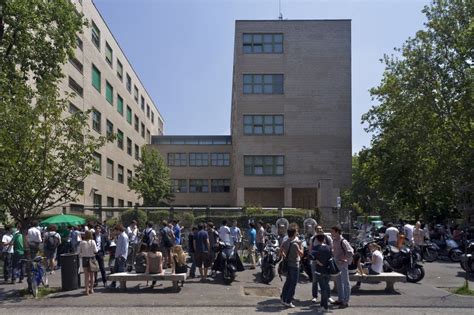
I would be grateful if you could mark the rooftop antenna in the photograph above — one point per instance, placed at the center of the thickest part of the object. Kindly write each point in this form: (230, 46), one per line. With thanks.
(280, 16)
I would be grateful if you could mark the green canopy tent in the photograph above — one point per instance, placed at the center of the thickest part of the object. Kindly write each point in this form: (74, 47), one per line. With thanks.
(62, 221)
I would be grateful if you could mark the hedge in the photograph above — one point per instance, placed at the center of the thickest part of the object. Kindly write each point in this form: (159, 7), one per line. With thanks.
(140, 216)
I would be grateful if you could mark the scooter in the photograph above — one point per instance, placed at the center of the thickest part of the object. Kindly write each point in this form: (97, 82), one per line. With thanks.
(428, 251)
(403, 261)
(227, 262)
(270, 259)
(467, 259)
(449, 248)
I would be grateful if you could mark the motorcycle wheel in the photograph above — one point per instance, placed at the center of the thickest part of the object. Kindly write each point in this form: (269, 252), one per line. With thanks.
(455, 255)
(415, 274)
(430, 254)
(228, 277)
(386, 267)
(267, 275)
(34, 288)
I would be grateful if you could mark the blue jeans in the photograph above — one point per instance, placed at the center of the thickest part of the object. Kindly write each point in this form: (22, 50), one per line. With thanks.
(192, 270)
(120, 265)
(323, 280)
(342, 282)
(288, 291)
(314, 287)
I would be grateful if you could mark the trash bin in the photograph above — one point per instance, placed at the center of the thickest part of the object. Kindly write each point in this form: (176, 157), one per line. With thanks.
(70, 277)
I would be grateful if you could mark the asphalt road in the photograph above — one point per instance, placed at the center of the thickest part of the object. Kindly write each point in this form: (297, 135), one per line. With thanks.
(428, 297)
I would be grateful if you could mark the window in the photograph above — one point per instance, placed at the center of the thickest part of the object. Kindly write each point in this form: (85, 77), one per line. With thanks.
(148, 136)
(137, 123)
(147, 110)
(119, 70)
(119, 139)
(263, 43)
(109, 93)
(77, 64)
(143, 130)
(120, 203)
(97, 200)
(177, 159)
(95, 35)
(198, 185)
(110, 169)
(129, 115)
(129, 84)
(129, 146)
(120, 104)
(97, 167)
(220, 159)
(76, 208)
(96, 78)
(263, 124)
(220, 185)
(73, 109)
(96, 120)
(120, 173)
(109, 128)
(263, 83)
(79, 43)
(179, 186)
(264, 165)
(137, 152)
(129, 204)
(142, 103)
(108, 54)
(135, 93)
(110, 202)
(152, 117)
(76, 87)
(198, 159)
(129, 176)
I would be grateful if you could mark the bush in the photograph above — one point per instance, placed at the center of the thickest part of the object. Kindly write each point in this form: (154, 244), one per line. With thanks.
(186, 218)
(112, 222)
(157, 216)
(134, 214)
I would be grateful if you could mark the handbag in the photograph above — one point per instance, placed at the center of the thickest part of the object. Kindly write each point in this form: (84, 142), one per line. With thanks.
(333, 269)
(93, 264)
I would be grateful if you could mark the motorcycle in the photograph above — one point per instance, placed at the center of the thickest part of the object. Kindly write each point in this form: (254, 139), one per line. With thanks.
(467, 259)
(403, 261)
(270, 259)
(428, 251)
(449, 248)
(227, 262)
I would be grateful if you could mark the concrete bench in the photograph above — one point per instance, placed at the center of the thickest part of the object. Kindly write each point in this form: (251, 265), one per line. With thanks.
(388, 277)
(132, 276)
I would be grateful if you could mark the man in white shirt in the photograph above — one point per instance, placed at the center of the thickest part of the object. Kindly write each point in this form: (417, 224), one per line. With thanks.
(236, 234)
(408, 229)
(149, 234)
(7, 252)
(224, 234)
(132, 231)
(34, 239)
(391, 235)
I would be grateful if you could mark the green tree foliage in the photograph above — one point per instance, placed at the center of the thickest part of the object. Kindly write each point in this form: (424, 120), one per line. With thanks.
(134, 214)
(152, 179)
(421, 159)
(45, 152)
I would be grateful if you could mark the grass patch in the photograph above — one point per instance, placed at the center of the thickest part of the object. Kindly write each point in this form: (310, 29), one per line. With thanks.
(464, 290)
(42, 292)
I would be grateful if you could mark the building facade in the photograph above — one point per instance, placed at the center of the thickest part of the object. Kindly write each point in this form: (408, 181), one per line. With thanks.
(290, 143)
(105, 82)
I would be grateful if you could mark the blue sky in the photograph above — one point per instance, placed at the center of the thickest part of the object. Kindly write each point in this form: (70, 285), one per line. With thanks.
(183, 50)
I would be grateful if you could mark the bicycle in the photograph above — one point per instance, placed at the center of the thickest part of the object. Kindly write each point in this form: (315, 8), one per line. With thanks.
(38, 274)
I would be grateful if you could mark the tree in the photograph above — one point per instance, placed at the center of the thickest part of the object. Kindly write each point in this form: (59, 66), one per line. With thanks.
(152, 179)
(46, 153)
(423, 137)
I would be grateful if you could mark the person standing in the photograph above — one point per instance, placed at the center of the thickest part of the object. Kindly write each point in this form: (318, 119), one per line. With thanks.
(18, 255)
(177, 232)
(418, 235)
(34, 239)
(149, 234)
(291, 251)
(213, 237)
(121, 253)
(252, 233)
(100, 241)
(167, 242)
(225, 235)
(408, 231)
(87, 251)
(202, 251)
(191, 252)
(343, 253)
(76, 239)
(391, 235)
(321, 254)
(260, 240)
(132, 231)
(314, 243)
(52, 239)
(236, 235)
(7, 252)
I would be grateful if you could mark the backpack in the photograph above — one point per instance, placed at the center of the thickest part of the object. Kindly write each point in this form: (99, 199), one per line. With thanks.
(140, 263)
(52, 242)
(146, 238)
(166, 238)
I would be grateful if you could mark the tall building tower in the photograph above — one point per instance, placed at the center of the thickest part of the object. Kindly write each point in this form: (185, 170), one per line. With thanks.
(105, 82)
(291, 112)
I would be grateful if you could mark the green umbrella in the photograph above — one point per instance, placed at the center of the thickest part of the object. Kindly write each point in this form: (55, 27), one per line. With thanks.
(63, 220)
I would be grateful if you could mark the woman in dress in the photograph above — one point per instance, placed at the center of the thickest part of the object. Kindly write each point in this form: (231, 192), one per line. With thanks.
(87, 251)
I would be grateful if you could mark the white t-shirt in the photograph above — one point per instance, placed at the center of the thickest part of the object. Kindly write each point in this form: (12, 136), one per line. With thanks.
(34, 235)
(87, 249)
(236, 234)
(377, 261)
(408, 232)
(5, 240)
(224, 235)
(132, 234)
(392, 233)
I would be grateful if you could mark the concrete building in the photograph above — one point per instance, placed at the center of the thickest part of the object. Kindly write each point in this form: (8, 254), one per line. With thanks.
(105, 81)
(290, 143)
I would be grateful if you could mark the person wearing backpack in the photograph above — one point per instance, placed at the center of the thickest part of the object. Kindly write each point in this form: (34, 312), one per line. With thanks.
(52, 239)
(149, 234)
(167, 242)
(343, 253)
(314, 243)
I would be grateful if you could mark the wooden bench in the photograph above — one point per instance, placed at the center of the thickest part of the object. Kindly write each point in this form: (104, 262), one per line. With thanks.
(132, 276)
(388, 277)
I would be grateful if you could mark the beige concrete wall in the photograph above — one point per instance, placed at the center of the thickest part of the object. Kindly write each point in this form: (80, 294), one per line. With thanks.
(93, 99)
(316, 103)
(264, 197)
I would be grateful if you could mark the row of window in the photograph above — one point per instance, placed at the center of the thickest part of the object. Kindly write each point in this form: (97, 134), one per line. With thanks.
(199, 159)
(263, 125)
(110, 169)
(263, 84)
(110, 203)
(264, 165)
(258, 43)
(200, 185)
